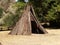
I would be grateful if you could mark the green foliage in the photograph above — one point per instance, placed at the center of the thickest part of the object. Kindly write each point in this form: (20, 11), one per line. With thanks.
(1, 12)
(53, 13)
(19, 4)
(11, 19)
(47, 10)
(20, 0)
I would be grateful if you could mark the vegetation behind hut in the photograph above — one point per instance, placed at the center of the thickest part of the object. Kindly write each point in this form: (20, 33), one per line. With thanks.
(46, 11)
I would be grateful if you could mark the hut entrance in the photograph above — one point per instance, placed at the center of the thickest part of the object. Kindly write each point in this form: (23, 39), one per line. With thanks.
(35, 29)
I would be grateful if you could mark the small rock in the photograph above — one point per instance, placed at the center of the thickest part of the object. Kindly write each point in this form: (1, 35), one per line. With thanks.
(0, 44)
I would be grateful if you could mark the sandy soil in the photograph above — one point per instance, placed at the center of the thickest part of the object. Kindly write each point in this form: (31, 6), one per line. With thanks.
(52, 38)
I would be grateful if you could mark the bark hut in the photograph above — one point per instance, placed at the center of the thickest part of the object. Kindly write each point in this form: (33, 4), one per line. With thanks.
(28, 23)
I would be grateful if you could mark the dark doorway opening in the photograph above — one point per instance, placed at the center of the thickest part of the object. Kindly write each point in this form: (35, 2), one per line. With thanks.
(35, 29)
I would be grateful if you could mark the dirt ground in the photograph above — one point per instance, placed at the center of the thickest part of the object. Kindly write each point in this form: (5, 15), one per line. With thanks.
(52, 38)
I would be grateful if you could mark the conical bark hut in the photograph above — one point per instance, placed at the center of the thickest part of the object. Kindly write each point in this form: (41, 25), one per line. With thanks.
(28, 23)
